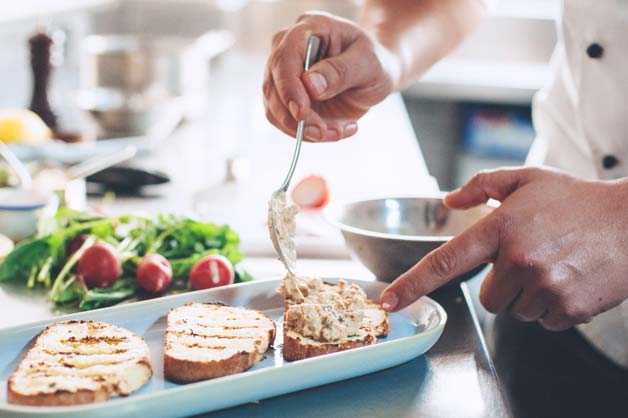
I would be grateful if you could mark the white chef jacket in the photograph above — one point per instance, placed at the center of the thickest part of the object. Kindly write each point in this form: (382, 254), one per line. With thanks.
(581, 119)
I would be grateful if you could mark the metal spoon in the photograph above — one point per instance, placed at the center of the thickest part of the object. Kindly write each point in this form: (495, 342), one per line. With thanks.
(311, 56)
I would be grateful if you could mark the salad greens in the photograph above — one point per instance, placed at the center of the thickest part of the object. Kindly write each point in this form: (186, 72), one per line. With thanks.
(45, 260)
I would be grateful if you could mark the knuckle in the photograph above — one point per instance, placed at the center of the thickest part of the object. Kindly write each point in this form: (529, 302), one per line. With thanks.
(574, 313)
(480, 178)
(341, 70)
(504, 222)
(410, 289)
(285, 119)
(270, 116)
(315, 17)
(442, 262)
(545, 285)
(286, 86)
(530, 171)
(522, 258)
(306, 16)
(278, 36)
(266, 88)
(277, 57)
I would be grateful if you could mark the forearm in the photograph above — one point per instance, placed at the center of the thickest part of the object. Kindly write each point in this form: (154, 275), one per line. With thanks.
(418, 33)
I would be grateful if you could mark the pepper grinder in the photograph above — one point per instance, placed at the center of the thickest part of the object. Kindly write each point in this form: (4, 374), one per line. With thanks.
(40, 49)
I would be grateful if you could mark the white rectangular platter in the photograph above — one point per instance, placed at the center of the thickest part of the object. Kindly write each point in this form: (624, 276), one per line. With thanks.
(413, 331)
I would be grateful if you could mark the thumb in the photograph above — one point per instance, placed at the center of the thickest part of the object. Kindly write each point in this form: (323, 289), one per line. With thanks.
(334, 75)
(494, 184)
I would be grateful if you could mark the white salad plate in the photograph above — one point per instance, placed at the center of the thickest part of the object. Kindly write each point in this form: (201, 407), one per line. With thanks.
(413, 331)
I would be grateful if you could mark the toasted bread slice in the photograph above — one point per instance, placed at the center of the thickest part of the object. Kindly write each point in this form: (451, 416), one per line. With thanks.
(80, 362)
(204, 341)
(376, 319)
(375, 325)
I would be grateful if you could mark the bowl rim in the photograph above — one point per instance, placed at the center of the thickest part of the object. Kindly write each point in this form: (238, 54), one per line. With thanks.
(330, 214)
(22, 208)
(40, 199)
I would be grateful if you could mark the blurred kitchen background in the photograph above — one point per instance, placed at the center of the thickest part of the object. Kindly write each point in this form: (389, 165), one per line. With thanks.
(183, 77)
(471, 111)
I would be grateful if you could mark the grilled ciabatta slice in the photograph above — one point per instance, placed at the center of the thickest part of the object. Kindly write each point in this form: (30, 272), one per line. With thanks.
(319, 300)
(204, 341)
(80, 362)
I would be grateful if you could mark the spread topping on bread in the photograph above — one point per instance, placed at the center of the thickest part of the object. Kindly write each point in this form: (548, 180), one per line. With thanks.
(322, 312)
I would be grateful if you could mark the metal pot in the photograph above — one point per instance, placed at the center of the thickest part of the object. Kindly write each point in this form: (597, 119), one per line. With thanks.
(126, 80)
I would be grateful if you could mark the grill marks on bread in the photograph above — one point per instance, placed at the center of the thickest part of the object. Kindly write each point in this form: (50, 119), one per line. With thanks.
(204, 341)
(80, 362)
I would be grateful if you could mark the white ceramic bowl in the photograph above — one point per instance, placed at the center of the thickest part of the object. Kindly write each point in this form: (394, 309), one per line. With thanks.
(21, 209)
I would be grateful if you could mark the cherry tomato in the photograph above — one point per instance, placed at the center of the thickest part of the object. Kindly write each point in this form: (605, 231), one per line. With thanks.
(76, 243)
(211, 271)
(312, 192)
(154, 273)
(100, 265)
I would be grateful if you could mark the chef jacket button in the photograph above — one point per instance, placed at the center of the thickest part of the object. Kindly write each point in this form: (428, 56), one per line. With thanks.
(609, 161)
(595, 51)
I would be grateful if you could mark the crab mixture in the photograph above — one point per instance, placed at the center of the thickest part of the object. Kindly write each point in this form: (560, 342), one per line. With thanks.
(321, 311)
(284, 226)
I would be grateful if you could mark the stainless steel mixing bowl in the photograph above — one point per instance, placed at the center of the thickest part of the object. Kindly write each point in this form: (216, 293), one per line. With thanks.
(391, 235)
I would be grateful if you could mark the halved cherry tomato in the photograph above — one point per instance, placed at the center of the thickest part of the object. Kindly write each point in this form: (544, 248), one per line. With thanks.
(211, 271)
(311, 192)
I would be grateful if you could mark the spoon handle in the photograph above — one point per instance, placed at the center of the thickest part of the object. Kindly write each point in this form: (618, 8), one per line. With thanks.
(311, 56)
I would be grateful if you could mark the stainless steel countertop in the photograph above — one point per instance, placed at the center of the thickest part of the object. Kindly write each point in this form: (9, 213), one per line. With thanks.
(456, 378)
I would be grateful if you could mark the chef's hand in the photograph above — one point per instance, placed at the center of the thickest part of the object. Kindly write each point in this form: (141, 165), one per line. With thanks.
(355, 74)
(558, 247)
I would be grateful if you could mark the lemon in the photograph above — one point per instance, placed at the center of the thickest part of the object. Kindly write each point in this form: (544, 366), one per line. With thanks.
(22, 126)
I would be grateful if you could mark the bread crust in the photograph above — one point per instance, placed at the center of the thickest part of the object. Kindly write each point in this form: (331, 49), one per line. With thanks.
(296, 348)
(59, 398)
(186, 371)
(383, 329)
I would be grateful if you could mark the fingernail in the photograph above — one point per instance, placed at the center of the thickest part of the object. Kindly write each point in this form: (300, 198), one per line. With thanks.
(318, 82)
(312, 132)
(389, 301)
(294, 109)
(351, 129)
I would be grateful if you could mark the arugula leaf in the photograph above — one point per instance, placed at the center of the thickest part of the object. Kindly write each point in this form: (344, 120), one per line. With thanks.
(99, 298)
(242, 275)
(26, 256)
